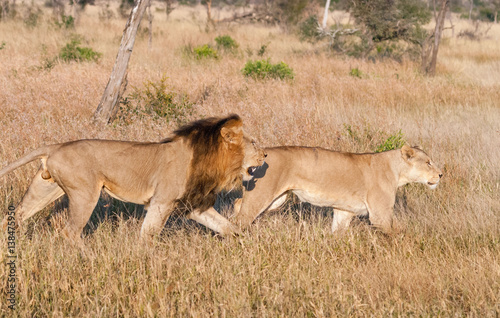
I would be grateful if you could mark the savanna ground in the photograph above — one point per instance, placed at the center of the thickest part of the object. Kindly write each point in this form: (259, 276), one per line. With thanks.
(444, 261)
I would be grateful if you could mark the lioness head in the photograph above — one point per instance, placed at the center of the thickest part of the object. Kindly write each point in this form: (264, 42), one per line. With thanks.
(421, 168)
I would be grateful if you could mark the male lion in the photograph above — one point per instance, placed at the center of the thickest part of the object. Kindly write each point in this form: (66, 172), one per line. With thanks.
(353, 184)
(183, 172)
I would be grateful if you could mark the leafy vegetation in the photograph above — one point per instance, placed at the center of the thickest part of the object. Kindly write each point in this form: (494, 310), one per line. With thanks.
(67, 22)
(205, 51)
(395, 141)
(383, 21)
(262, 69)
(308, 30)
(227, 43)
(355, 72)
(155, 100)
(73, 52)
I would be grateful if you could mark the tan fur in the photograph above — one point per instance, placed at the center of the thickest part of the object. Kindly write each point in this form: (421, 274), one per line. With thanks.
(353, 184)
(186, 170)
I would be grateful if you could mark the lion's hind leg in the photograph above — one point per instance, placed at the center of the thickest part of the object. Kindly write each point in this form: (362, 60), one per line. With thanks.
(81, 205)
(40, 194)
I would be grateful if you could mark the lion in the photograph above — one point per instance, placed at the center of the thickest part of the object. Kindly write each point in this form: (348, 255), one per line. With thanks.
(351, 183)
(184, 172)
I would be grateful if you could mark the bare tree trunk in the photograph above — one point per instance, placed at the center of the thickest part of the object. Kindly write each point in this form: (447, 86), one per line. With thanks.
(470, 9)
(325, 16)
(210, 21)
(431, 45)
(117, 82)
(169, 8)
(150, 27)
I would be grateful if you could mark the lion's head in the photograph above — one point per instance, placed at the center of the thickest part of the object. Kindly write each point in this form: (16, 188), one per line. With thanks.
(222, 154)
(420, 167)
(254, 157)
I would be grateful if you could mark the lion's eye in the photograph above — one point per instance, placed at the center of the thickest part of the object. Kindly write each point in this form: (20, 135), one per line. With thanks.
(429, 163)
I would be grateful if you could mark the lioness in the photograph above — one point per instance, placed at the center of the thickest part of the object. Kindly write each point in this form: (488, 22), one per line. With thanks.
(353, 184)
(183, 172)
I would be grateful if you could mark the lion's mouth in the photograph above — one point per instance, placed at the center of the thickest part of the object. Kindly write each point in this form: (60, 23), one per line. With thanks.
(251, 170)
(432, 185)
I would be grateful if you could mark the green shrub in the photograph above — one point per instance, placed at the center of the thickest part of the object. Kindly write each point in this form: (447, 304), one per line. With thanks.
(395, 141)
(205, 51)
(67, 22)
(263, 49)
(157, 101)
(73, 52)
(226, 43)
(308, 30)
(355, 72)
(33, 17)
(2, 46)
(262, 69)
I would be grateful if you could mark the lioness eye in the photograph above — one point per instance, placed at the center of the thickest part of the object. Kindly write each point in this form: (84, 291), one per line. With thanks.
(429, 163)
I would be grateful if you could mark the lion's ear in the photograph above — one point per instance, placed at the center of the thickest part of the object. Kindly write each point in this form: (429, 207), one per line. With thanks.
(232, 133)
(407, 152)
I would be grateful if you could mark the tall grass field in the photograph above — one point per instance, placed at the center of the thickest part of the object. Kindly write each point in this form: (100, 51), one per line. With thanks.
(444, 261)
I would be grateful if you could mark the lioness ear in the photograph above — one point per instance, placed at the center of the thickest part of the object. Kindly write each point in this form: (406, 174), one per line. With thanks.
(407, 152)
(232, 132)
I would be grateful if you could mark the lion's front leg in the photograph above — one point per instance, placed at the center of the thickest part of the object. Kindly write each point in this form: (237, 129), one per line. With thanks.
(214, 221)
(341, 220)
(156, 216)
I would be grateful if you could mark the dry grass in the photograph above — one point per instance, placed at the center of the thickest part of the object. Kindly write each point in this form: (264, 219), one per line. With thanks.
(445, 262)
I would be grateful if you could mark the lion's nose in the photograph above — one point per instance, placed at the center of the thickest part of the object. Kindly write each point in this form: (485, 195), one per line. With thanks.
(440, 175)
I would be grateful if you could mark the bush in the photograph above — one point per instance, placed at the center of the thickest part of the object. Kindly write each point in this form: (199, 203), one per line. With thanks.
(205, 51)
(389, 21)
(262, 69)
(67, 22)
(33, 17)
(157, 101)
(308, 30)
(73, 52)
(395, 141)
(355, 72)
(226, 43)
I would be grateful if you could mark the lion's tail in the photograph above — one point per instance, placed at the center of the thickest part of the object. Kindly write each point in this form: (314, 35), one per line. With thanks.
(40, 153)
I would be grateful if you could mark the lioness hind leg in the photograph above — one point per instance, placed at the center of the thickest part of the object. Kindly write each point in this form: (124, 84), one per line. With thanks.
(341, 220)
(214, 221)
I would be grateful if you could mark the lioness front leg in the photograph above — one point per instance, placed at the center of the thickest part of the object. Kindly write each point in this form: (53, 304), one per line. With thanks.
(380, 205)
(214, 221)
(341, 220)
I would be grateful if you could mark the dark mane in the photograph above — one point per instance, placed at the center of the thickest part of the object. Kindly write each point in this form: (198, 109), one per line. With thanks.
(215, 164)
